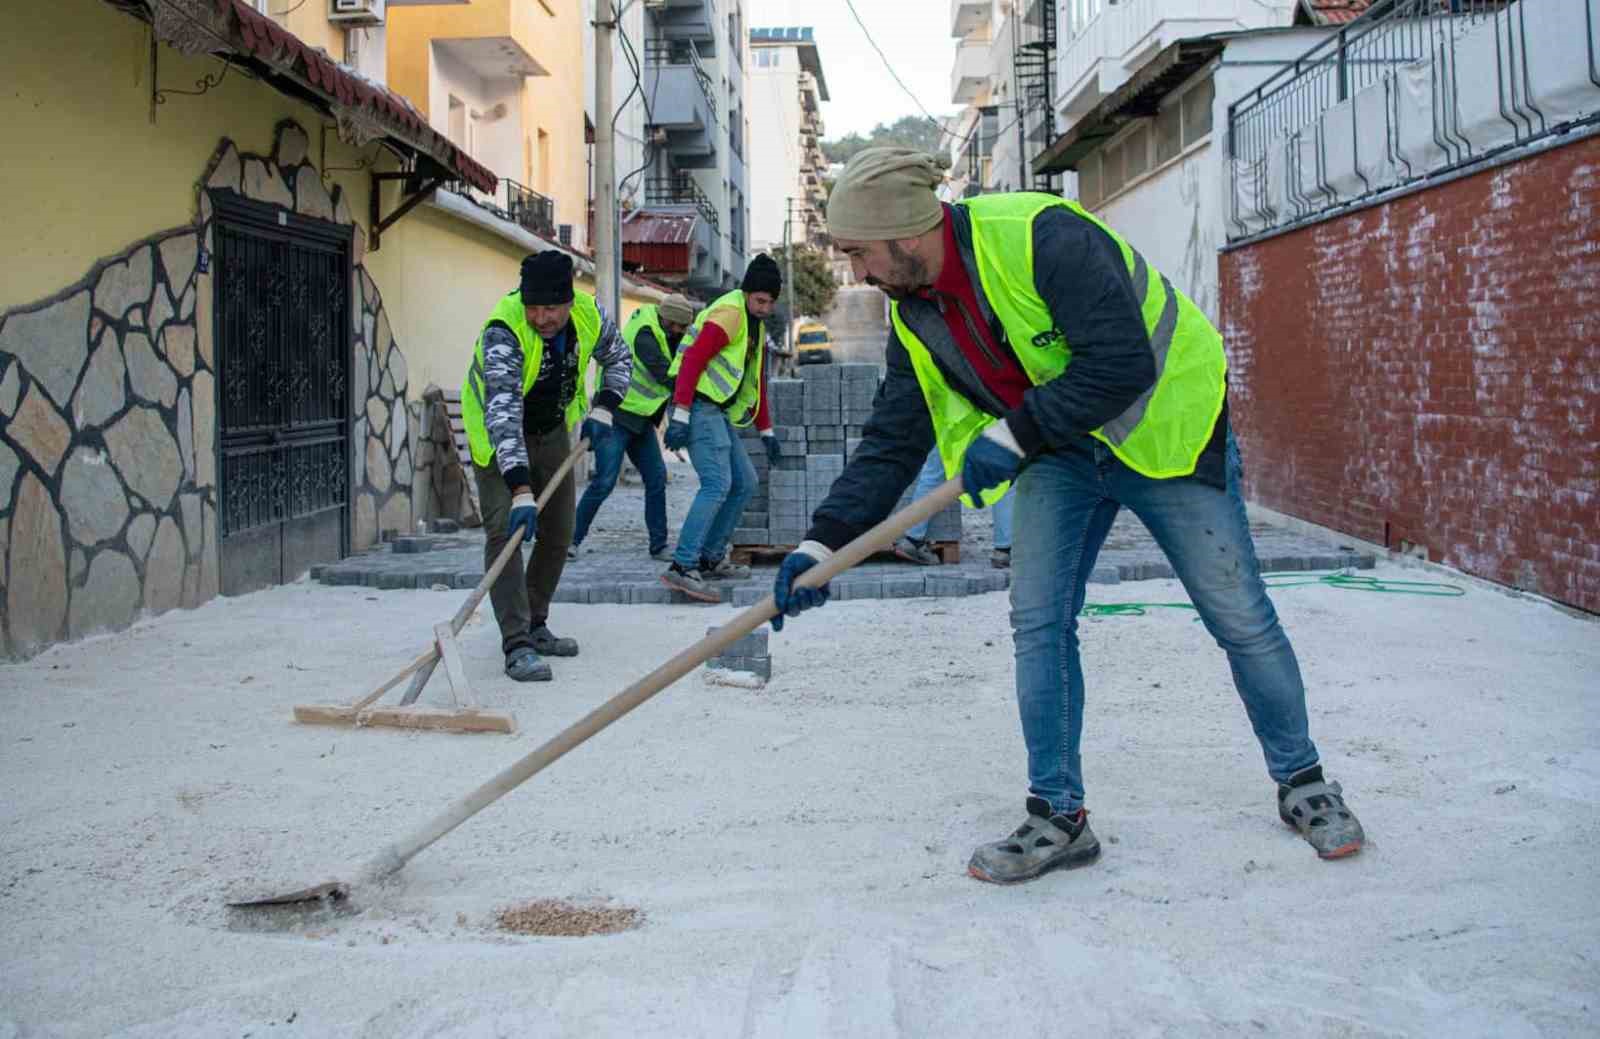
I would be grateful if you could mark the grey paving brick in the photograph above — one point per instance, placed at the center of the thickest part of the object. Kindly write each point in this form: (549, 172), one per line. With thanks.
(751, 535)
(751, 645)
(945, 586)
(392, 580)
(468, 578)
(1105, 575)
(857, 588)
(904, 587)
(761, 667)
(991, 581)
(651, 592)
(607, 593)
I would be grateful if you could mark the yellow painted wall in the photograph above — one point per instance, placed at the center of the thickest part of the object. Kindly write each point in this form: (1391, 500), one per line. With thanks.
(79, 73)
(85, 174)
(552, 34)
(442, 278)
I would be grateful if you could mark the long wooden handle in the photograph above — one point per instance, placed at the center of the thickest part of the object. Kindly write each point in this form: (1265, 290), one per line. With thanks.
(459, 621)
(396, 855)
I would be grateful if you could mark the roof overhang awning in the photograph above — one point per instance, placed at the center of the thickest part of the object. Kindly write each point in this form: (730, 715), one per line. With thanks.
(1139, 98)
(363, 110)
(660, 242)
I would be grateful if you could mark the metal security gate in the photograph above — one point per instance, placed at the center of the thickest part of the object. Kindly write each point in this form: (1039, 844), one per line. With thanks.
(283, 356)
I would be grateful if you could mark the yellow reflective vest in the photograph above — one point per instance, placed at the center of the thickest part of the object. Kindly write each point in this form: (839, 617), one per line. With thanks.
(732, 378)
(1161, 434)
(511, 313)
(645, 395)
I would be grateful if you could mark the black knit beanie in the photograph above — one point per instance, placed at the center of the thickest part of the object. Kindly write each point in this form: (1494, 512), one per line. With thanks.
(762, 276)
(547, 279)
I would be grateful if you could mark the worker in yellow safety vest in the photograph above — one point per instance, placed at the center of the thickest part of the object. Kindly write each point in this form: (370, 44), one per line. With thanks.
(721, 384)
(1036, 349)
(523, 394)
(652, 333)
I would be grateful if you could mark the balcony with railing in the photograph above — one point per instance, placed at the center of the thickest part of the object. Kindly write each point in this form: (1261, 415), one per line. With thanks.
(689, 20)
(1103, 44)
(518, 204)
(683, 101)
(970, 75)
(968, 16)
(1413, 92)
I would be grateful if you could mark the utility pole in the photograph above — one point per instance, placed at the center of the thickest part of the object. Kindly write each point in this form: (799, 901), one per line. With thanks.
(788, 272)
(605, 164)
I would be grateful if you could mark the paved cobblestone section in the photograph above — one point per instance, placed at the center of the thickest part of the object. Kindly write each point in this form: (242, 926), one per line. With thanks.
(615, 569)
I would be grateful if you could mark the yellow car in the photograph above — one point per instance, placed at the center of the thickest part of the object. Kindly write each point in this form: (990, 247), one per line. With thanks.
(814, 344)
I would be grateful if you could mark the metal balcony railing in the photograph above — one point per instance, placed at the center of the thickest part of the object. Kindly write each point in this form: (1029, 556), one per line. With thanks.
(1353, 116)
(523, 206)
(680, 190)
(661, 53)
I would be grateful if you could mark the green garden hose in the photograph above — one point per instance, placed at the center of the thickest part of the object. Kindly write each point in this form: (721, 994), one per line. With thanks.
(1341, 579)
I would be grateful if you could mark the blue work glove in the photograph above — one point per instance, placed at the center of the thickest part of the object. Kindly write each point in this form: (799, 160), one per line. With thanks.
(769, 440)
(677, 437)
(991, 460)
(524, 516)
(792, 600)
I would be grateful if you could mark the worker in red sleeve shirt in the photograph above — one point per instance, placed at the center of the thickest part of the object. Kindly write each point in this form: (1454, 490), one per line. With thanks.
(720, 385)
(1034, 348)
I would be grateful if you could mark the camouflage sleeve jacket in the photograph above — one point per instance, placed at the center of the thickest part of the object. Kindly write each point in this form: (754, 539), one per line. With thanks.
(502, 408)
(616, 363)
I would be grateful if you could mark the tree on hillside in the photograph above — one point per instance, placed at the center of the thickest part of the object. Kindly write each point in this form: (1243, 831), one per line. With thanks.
(910, 131)
(814, 287)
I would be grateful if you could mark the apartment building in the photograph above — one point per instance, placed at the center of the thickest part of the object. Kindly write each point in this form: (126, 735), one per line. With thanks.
(787, 88)
(684, 192)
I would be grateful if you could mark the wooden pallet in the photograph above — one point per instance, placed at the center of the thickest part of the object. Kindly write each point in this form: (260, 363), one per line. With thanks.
(949, 553)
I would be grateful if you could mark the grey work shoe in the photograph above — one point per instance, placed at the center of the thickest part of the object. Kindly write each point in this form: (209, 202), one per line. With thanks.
(722, 570)
(1000, 559)
(1044, 842)
(689, 583)
(1317, 810)
(662, 554)
(918, 552)
(547, 642)
(572, 552)
(524, 665)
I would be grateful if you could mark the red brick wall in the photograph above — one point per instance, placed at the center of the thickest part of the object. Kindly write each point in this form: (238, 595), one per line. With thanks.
(1428, 371)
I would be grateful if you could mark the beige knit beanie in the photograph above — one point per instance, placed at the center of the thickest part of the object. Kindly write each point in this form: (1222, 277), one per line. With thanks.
(886, 193)
(676, 309)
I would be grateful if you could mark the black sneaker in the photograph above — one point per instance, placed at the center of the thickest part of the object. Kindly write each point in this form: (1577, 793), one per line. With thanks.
(1316, 809)
(523, 665)
(689, 583)
(548, 643)
(1045, 841)
(722, 570)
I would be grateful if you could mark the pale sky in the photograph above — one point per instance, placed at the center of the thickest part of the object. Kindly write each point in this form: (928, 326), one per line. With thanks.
(915, 34)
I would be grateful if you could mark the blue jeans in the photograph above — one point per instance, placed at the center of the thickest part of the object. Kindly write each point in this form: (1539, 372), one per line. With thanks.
(932, 475)
(727, 479)
(1065, 504)
(645, 451)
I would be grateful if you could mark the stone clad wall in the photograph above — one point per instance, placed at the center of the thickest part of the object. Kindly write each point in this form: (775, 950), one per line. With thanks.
(108, 389)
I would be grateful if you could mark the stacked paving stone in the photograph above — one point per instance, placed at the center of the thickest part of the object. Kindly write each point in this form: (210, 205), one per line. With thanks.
(818, 419)
(748, 655)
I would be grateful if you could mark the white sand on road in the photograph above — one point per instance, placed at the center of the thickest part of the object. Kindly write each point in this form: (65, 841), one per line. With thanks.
(798, 852)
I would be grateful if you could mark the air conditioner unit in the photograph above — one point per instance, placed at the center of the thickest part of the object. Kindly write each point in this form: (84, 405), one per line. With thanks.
(654, 5)
(356, 12)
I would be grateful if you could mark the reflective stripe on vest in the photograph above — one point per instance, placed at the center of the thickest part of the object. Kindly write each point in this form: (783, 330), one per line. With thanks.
(645, 395)
(729, 375)
(1160, 435)
(510, 312)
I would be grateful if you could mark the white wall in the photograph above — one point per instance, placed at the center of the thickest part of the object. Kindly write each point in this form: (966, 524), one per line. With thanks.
(1175, 216)
(774, 151)
(497, 142)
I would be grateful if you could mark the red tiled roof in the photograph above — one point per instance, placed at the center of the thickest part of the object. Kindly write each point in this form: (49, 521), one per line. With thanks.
(1334, 12)
(648, 227)
(255, 34)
